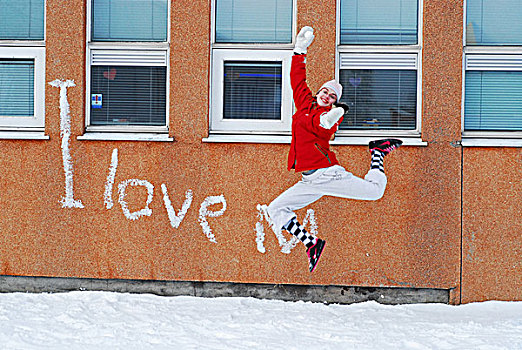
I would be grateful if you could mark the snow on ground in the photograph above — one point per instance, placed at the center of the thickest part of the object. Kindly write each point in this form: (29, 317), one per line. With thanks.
(103, 320)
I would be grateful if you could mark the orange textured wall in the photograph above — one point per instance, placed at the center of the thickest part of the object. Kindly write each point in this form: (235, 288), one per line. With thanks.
(492, 245)
(410, 238)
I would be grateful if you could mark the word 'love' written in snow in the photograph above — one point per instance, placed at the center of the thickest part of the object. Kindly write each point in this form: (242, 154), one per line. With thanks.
(175, 219)
(68, 200)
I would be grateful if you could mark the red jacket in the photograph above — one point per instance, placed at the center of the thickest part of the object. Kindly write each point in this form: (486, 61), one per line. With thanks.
(310, 148)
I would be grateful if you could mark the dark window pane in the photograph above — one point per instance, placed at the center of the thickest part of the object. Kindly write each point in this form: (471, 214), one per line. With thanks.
(128, 95)
(379, 98)
(252, 90)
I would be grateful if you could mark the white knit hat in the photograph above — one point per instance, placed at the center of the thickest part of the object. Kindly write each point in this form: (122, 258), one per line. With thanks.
(335, 86)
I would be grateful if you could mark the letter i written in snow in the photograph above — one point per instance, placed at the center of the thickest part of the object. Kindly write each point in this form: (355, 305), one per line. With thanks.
(107, 196)
(204, 213)
(65, 131)
(175, 220)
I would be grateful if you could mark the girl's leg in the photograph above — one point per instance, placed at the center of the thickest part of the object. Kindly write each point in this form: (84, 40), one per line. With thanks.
(281, 210)
(338, 182)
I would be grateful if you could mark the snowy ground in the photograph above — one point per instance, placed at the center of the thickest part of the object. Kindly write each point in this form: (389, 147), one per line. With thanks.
(102, 320)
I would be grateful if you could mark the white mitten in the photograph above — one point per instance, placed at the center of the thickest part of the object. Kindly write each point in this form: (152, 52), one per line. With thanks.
(330, 118)
(304, 39)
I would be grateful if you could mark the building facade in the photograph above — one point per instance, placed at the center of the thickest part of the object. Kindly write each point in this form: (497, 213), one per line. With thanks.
(141, 140)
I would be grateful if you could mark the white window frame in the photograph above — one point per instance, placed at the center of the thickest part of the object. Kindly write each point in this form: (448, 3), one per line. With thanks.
(27, 127)
(133, 53)
(488, 58)
(218, 124)
(248, 130)
(37, 121)
(382, 57)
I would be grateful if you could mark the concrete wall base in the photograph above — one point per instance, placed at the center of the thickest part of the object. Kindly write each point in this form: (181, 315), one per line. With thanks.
(286, 292)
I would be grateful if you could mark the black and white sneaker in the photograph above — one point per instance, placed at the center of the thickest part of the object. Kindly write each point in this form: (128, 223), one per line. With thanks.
(385, 145)
(314, 253)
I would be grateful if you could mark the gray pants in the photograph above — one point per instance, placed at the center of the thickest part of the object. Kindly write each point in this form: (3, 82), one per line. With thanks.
(333, 181)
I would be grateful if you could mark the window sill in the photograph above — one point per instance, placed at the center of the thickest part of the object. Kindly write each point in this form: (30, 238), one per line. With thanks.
(108, 136)
(23, 135)
(243, 138)
(286, 139)
(484, 142)
(365, 140)
(24, 43)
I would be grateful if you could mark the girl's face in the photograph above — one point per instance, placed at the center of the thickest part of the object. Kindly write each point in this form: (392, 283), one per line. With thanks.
(326, 97)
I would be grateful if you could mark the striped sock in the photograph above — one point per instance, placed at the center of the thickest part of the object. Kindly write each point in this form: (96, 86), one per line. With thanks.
(296, 229)
(377, 160)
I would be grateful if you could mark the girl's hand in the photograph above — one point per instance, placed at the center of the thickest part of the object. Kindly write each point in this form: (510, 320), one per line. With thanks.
(330, 118)
(303, 40)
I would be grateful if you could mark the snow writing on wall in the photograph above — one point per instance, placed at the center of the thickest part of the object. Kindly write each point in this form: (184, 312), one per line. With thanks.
(204, 213)
(107, 195)
(65, 132)
(286, 246)
(122, 187)
(175, 219)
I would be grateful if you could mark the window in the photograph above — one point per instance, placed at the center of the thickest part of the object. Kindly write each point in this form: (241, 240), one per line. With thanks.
(251, 21)
(379, 22)
(251, 54)
(381, 94)
(133, 95)
(258, 79)
(22, 20)
(491, 22)
(124, 20)
(128, 66)
(493, 100)
(22, 65)
(379, 68)
(128, 88)
(251, 94)
(16, 87)
(493, 71)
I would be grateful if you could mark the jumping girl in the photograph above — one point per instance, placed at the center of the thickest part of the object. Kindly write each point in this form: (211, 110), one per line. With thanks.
(315, 121)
